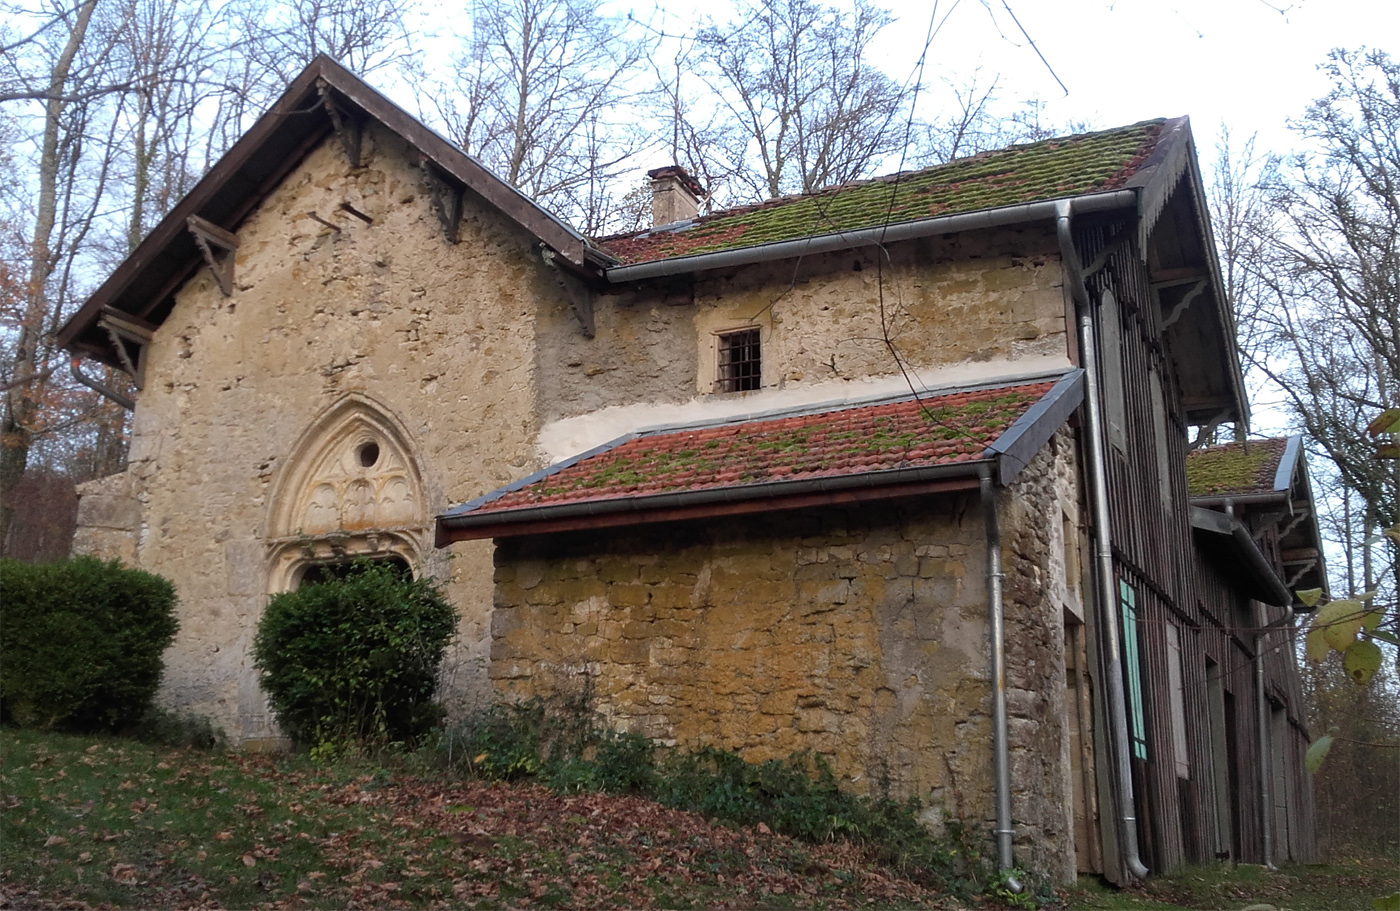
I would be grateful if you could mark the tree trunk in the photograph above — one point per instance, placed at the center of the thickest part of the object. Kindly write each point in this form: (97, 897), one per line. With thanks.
(21, 404)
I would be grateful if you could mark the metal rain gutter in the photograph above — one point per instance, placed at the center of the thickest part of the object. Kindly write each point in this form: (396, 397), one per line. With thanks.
(844, 240)
(1103, 545)
(996, 616)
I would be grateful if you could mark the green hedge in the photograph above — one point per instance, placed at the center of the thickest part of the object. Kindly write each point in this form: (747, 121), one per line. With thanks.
(81, 643)
(355, 660)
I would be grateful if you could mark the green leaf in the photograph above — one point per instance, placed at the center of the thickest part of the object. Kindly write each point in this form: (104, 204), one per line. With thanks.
(1317, 752)
(1309, 596)
(1340, 621)
(1385, 635)
(1387, 421)
(1372, 619)
(1390, 902)
(1361, 661)
(1315, 646)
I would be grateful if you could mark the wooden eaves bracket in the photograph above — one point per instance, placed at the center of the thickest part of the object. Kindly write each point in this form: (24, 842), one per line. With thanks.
(210, 237)
(349, 128)
(122, 330)
(1185, 302)
(446, 198)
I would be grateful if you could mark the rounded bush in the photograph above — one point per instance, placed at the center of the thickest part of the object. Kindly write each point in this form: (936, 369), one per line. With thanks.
(355, 659)
(81, 643)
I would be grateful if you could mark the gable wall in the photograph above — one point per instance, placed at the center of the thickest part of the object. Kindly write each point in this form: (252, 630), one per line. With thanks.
(439, 335)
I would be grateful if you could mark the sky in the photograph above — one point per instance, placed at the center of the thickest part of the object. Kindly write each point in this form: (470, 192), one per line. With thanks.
(1251, 64)
(1248, 64)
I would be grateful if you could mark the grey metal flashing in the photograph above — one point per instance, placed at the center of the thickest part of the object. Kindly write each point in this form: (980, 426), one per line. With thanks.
(892, 477)
(1229, 532)
(1243, 499)
(1287, 463)
(1024, 438)
(1158, 175)
(844, 240)
(473, 505)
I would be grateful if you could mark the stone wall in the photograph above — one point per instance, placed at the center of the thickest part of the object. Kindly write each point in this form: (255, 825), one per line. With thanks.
(988, 297)
(857, 633)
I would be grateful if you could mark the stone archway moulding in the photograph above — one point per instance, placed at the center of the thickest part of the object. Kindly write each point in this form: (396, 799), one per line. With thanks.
(351, 487)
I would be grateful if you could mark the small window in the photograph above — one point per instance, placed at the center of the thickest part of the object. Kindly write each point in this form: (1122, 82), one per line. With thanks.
(1132, 667)
(740, 367)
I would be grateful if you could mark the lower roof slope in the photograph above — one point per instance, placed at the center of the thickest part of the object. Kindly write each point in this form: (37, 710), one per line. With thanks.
(885, 445)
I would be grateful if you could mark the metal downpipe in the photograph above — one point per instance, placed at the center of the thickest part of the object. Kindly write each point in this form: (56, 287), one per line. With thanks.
(1001, 773)
(1266, 785)
(100, 388)
(1103, 546)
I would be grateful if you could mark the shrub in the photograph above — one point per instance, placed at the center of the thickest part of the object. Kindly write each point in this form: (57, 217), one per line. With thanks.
(355, 660)
(81, 643)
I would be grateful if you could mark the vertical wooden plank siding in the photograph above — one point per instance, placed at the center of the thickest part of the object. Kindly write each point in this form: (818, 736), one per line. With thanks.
(1154, 553)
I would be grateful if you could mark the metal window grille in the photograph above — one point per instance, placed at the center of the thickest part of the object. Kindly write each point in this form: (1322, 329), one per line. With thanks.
(740, 368)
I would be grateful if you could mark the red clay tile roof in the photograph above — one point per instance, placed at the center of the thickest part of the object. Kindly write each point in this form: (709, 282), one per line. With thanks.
(938, 430)
(1050, 169)
(1234, 468)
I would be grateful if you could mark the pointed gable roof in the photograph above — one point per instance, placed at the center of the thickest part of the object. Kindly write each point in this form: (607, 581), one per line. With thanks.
(325, 100)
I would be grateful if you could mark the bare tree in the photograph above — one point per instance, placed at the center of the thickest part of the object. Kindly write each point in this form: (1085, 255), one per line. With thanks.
(365, 36)
(978, 120)
(1323, 285)
(806, 108)
(26, 374)
(541, 97)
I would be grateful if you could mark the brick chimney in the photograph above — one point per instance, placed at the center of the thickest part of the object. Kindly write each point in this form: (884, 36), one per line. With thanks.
(675, 195)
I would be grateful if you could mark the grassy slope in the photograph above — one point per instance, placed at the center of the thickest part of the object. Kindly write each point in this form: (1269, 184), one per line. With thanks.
(107, 820)
(102, 820)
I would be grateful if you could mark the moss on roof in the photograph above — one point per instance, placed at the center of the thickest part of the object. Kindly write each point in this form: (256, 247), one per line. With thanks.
(1235, 468)
(1050, 169)
(934, 430)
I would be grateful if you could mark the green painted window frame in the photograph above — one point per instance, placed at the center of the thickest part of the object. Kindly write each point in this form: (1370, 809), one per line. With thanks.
(1132, 668)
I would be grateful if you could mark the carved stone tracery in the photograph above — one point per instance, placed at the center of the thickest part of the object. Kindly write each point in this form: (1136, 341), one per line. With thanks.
(350, 488)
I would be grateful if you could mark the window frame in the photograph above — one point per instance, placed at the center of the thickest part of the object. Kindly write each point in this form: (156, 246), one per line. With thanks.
(738, 375)
(1132, 669)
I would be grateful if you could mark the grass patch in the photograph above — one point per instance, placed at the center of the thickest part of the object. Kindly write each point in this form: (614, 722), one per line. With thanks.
(106, 820)
(1296, 887)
